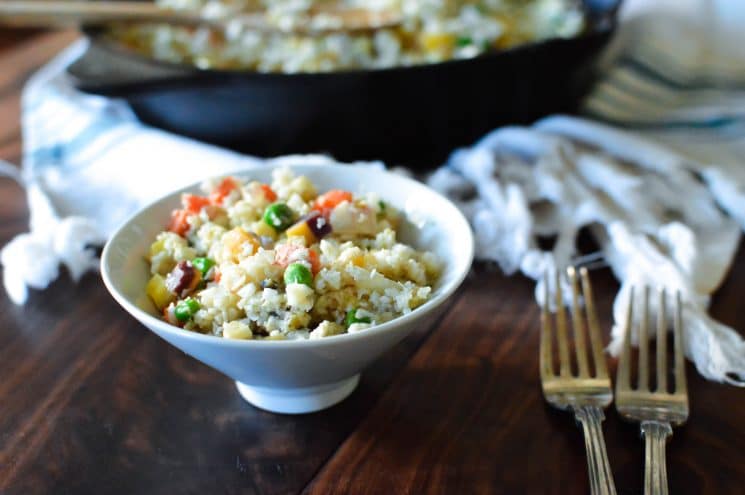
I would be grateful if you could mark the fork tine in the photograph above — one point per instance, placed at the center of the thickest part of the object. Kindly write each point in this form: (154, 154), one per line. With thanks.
(546, 358)
(561, 327)
(578, 326)
(596, 341)
(661, 344)
(623, 375)
(680, 374)
(643, 378)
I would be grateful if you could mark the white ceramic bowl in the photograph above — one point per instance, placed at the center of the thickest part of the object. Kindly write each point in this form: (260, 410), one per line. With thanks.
(299, 376)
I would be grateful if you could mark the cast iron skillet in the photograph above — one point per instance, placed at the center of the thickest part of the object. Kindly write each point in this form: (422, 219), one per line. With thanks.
(414, 116)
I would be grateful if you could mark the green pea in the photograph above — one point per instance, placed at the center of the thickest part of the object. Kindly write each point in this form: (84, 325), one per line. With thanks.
(297, 273)
(185, 309)
(279, 216)
(463, 41)
(352, 318)
(203, 265)
(381, 212)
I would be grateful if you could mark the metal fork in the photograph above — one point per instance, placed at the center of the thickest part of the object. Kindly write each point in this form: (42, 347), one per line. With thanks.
(657, 410)
(586, 394)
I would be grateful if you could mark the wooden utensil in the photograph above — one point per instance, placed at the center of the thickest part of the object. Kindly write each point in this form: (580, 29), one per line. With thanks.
(66, 13)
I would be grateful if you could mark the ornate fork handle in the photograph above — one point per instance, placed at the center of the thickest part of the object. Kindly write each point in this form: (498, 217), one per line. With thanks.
(601, 477)
(655, 469)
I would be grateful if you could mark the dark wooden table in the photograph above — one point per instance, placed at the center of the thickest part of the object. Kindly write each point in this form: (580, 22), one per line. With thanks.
(92, 402)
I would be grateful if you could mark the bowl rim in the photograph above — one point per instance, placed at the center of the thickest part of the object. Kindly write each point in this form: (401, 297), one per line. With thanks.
(420, 312)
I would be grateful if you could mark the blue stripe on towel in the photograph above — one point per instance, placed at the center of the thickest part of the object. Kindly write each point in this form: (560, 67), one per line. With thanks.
(619, 101)
(61, 154)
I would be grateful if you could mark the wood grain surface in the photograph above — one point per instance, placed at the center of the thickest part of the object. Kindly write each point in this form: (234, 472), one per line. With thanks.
(467, 415)
(92, 403)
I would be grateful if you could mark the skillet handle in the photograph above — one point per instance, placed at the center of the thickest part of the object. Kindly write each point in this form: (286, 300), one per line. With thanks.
(103, 70)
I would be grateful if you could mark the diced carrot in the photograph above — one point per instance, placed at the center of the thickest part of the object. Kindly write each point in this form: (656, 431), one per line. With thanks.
(178, 223)
(269, 194)
(194, 204)
(315, 261)
(224, 188)
(217, 276)
(331, 199)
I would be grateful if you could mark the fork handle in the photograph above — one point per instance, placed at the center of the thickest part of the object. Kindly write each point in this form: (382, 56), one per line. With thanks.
(601, 477)
(655, 469)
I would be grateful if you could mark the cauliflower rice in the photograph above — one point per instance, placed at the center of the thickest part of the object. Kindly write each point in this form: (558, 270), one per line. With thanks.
(432, 31)
(257, 261)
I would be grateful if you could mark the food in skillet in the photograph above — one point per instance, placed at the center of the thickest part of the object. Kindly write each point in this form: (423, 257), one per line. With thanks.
(280, 261)
(432, 31)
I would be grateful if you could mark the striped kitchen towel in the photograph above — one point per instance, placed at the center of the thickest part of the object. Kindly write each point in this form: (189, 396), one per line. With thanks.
(679, 85)
(655, 170)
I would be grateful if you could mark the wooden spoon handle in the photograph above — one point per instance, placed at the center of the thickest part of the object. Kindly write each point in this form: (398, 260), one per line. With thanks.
(64, 13)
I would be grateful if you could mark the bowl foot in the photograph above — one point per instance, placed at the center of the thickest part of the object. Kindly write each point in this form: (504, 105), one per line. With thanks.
(298, 400)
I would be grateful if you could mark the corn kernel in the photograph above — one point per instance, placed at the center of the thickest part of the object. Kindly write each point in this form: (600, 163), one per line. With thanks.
(236, 330)
(439, 43)
(304, 187)
(157, 247)
(353, 255)
(301, 229)
(235, 242)
(157, 291)
(264, 230)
